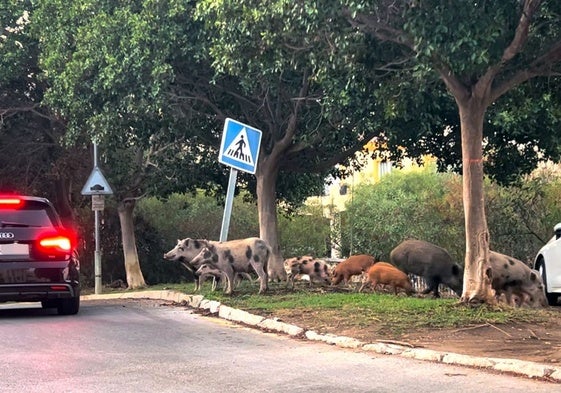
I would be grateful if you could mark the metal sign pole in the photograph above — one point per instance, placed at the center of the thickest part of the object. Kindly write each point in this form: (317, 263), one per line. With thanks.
(228, 204)
(97, 254)
(97, 187)
(239, 149)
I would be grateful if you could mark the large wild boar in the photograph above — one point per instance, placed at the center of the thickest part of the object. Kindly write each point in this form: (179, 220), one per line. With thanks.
(233, 256)
(316, 269)
(353, 265)
(429, 261)
(384, 273)
(514, 278)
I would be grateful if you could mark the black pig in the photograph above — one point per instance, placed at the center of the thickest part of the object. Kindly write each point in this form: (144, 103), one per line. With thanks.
(431, 262)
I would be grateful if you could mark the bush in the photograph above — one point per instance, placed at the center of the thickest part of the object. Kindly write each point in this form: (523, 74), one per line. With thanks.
(429, 206)
(305, 233)
(402, 206)
(160, 223)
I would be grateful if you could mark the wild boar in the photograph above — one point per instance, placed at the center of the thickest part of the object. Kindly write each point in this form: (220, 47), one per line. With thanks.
(316, 269)
(355, 264)
(386, 274)
(429, 261)
(515, 279)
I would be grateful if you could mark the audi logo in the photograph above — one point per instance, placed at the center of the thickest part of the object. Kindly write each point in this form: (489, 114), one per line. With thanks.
(6, 235)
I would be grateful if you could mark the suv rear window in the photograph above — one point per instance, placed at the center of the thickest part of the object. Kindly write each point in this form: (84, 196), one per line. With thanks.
(32, 214)
(26, 217)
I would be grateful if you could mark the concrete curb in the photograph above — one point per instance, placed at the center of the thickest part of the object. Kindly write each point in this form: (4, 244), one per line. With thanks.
(519, 367)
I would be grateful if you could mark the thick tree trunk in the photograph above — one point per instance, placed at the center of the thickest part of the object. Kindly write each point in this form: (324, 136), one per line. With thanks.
(266, 175)
(63, 205)
(135, 279)
(477, 275)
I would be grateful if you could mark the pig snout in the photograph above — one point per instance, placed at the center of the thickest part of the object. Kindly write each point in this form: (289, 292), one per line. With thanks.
(170, 255)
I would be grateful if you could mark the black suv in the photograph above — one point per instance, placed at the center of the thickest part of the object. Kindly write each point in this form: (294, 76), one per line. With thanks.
(38, 260)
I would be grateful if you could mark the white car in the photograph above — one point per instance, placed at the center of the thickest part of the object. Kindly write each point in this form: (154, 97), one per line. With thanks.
(548, 263)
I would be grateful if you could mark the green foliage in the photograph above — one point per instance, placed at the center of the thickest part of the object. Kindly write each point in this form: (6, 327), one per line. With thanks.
(107, 62)
(305, 233)
(413, 44)
(197, 216)
(18, 48)
(428, 206)
(200, 216)
(404, 205)
(521, 218)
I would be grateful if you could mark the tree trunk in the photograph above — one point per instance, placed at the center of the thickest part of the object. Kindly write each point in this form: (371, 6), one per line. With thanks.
(477, 274)
(266, 175)
(63, 205)
(135, 279)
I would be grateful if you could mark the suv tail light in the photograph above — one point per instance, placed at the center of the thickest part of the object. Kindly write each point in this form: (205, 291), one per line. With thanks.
(57, 243)
(54, 246)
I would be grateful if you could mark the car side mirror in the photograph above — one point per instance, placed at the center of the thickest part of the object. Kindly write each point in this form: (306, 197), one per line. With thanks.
(557, 230)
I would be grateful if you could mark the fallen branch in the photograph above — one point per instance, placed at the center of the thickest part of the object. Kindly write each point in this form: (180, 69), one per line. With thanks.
(403, 343)
(483, 325)
(500, 330)
(471, 327)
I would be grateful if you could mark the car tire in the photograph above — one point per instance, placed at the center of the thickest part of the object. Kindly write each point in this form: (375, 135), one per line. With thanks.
(69, 306)
(552, 298)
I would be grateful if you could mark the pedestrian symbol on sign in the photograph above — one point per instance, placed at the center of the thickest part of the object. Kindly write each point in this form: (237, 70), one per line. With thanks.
(239, 149)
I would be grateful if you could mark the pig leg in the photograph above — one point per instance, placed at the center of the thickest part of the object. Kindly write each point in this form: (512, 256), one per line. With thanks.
(290, 280)
(197, 284)
(374, 284)
(432, 286)
(240, 276)
(262, 274)
(228, 273)
(365, 284)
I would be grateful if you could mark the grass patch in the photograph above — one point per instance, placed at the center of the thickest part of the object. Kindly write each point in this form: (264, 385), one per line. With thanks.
(322, 307)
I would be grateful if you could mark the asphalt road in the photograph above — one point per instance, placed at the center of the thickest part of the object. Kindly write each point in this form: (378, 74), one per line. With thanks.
(140, 346)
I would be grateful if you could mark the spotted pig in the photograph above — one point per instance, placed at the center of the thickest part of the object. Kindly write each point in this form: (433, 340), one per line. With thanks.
(515, 279)
(316, 269)
(242, 255)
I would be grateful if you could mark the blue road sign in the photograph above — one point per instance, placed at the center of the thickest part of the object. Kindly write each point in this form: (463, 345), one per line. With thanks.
(240, 146)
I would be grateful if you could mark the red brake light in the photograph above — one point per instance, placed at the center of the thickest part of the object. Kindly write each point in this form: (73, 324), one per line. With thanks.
(10, 202)
(56, 243)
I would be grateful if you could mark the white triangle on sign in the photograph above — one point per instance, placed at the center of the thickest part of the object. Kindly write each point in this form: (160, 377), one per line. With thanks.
(239, 148)
(96, 184)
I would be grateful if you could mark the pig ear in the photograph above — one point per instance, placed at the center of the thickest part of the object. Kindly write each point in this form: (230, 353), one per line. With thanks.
(455, 270)
(533, 276)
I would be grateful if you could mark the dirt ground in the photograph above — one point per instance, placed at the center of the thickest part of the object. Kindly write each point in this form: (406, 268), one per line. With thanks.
(533, 342)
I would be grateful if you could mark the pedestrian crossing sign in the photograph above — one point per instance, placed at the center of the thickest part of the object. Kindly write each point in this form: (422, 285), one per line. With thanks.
(240, 146)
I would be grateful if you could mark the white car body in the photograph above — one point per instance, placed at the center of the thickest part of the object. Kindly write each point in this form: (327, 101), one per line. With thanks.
(548, 263)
